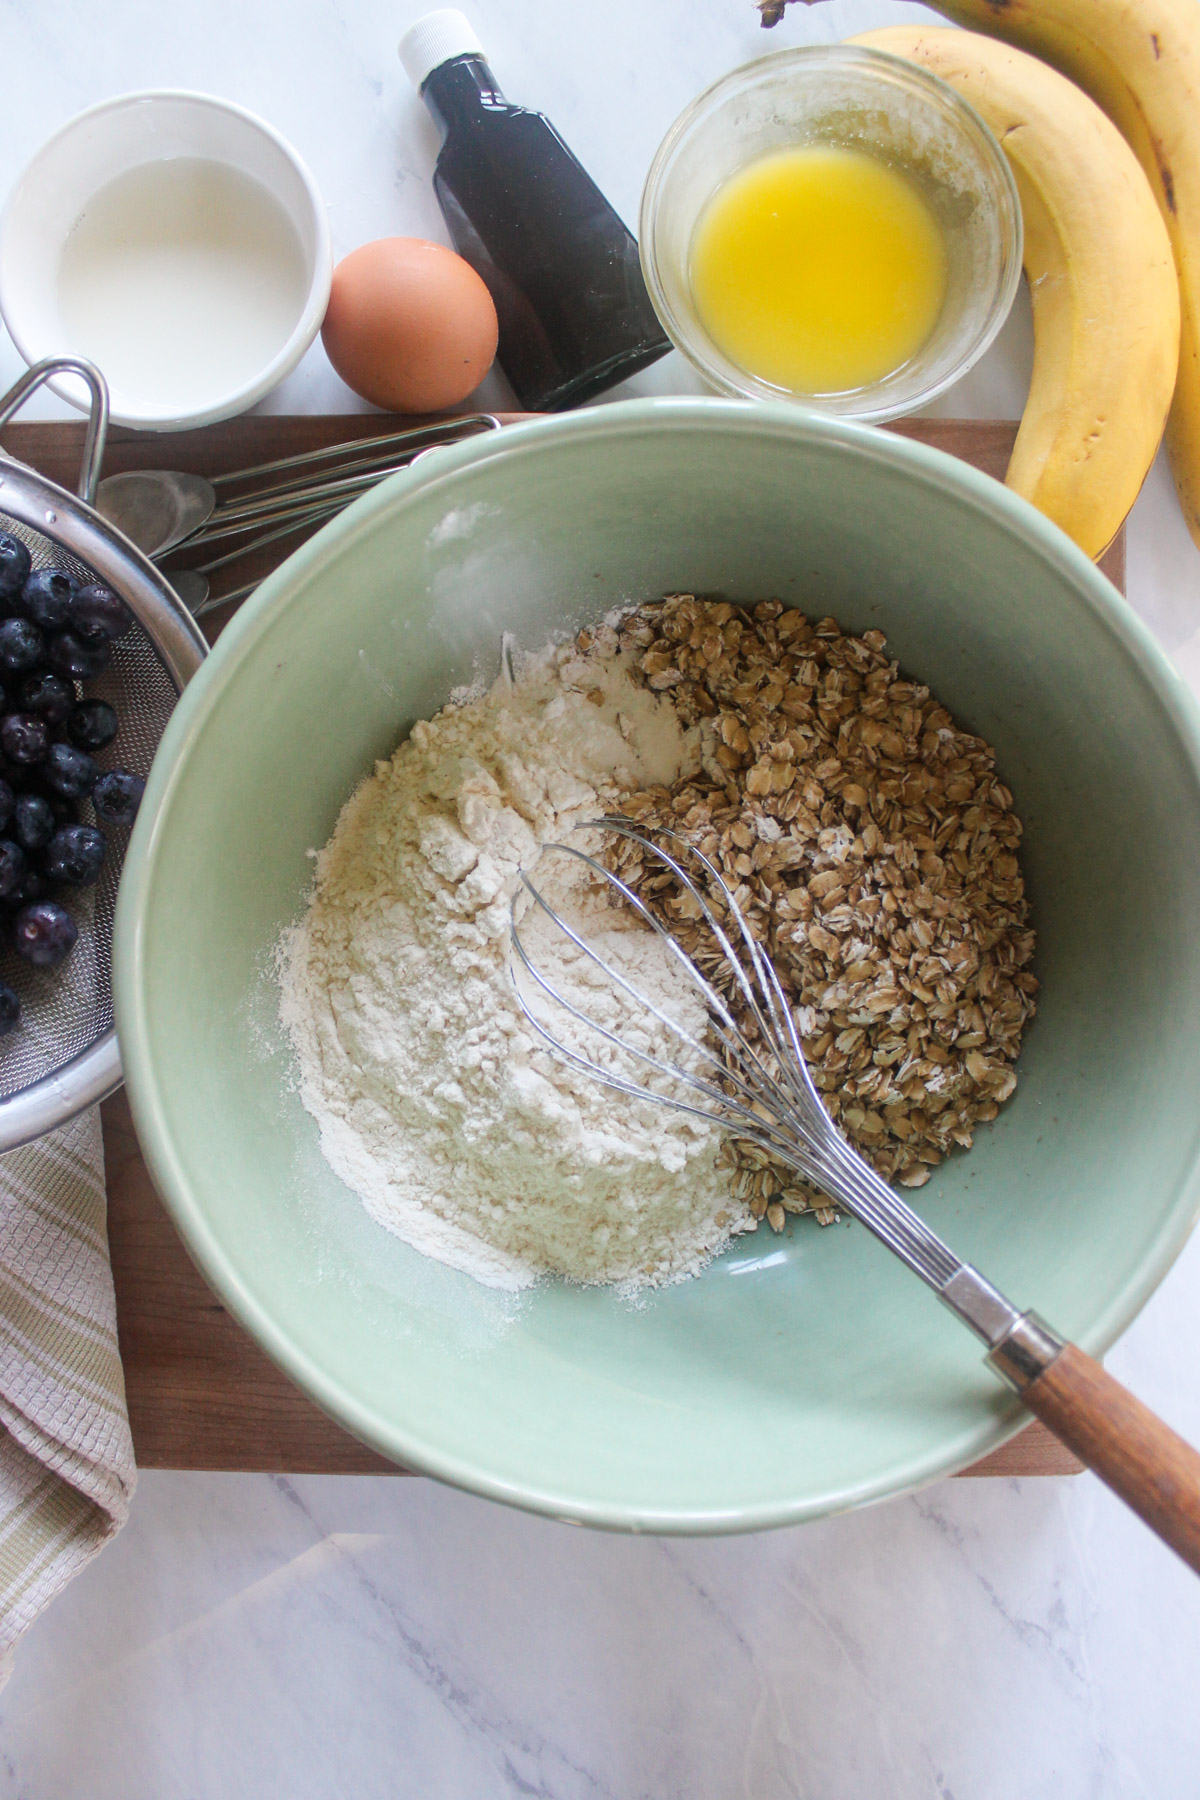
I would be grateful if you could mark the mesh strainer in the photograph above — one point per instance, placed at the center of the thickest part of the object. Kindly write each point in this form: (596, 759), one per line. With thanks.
(63, 1055)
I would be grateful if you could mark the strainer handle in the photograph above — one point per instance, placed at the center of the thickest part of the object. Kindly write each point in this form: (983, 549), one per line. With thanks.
(97, 425)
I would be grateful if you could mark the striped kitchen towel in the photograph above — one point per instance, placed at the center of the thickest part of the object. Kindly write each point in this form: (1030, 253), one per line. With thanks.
(67, 1472)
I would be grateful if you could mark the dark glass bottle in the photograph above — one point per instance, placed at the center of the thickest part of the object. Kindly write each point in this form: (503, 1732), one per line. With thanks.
(563, 270)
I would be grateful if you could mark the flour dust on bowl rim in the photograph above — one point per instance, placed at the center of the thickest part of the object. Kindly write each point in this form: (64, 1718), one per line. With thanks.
(797, 1375)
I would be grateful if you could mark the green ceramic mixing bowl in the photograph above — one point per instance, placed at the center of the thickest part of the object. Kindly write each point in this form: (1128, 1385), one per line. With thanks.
(798, 1374)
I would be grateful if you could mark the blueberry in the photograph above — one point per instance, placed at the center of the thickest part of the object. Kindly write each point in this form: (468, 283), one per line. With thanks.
(48, 695)
(43, 933)
(22, 645)
(24, 738)
(75, 854)
(14, 564)
(8, 802)
(66, 771)
(12, 866)
(33, 887)
(71, 658)
(10, 1009)
(46, 598)
(34, 823)
(91, 725)
(117, 796)
(98, 615)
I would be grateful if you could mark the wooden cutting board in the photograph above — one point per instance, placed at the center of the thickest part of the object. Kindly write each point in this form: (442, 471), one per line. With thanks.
(202, 1395)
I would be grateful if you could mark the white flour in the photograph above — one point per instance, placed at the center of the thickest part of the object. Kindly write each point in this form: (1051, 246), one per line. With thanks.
(435, 1102)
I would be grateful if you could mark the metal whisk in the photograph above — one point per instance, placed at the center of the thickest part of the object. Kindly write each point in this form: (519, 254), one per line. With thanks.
(748, 1074)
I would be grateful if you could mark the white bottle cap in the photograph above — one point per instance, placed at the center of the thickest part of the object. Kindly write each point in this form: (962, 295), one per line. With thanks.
(436, 38)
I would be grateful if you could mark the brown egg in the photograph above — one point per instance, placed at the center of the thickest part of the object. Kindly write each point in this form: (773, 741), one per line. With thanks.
(410, 325)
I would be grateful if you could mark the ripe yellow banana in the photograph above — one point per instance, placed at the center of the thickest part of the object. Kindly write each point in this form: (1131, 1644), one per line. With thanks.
(1098, 262)
(1140, 61)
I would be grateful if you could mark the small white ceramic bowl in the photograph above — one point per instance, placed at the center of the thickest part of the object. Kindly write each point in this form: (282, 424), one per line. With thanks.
(91, 151)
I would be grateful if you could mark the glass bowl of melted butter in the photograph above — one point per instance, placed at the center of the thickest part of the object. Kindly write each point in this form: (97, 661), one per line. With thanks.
(834, 226)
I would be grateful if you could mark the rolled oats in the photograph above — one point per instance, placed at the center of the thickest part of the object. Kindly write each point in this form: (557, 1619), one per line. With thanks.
(873, 850)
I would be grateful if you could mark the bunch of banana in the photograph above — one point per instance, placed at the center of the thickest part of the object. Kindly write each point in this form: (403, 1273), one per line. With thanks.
(1140, 62)
(1098, 262)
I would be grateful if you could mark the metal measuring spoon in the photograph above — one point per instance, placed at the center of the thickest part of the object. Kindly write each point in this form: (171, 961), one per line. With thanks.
(191, 587)
(159, 509)
(156, 508)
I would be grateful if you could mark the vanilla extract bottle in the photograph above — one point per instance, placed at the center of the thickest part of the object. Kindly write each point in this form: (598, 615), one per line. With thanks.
(561, 266)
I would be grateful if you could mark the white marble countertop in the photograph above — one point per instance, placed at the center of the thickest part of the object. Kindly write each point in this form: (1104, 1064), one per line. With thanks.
(319, 1637)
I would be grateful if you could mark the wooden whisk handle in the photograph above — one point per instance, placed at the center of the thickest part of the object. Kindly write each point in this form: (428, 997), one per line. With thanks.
(1150, 1466)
